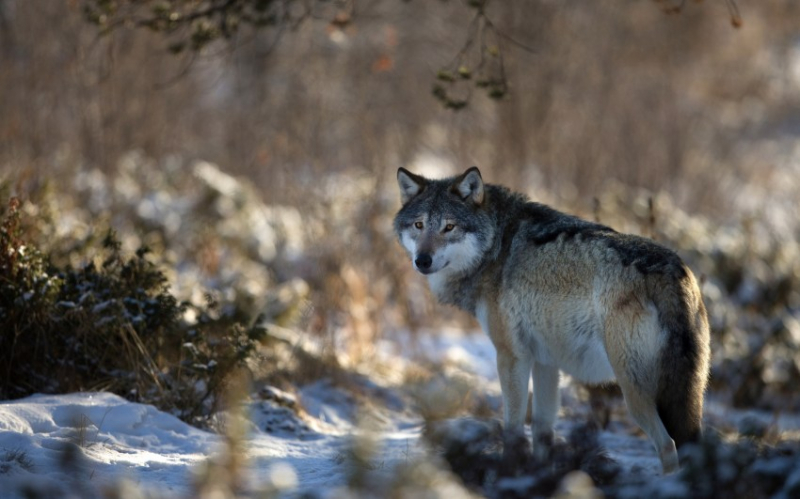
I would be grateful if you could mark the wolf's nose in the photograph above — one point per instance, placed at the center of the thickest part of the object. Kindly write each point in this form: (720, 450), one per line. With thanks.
(423, 261)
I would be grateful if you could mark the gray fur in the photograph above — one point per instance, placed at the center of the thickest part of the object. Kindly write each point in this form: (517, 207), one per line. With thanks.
(554, 291)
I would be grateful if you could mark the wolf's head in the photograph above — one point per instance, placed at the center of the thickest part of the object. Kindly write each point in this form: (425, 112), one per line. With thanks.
(444, 224)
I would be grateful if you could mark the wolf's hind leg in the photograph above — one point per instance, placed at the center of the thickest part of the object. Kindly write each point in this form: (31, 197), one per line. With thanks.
(633, 338)
(643, 409)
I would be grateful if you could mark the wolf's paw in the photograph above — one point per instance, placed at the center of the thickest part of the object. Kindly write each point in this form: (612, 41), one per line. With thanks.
(516, 448)
(543, 441)
(669, 458)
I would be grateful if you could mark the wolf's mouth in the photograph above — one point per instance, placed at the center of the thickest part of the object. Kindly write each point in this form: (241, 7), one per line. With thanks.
(430, 271)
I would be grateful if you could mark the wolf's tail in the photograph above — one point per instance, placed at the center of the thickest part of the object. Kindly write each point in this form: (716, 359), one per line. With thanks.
(684, 361)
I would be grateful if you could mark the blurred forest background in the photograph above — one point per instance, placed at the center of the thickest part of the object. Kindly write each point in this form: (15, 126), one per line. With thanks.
(260, 170)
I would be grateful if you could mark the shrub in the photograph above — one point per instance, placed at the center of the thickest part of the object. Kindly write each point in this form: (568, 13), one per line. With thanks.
(111, 325)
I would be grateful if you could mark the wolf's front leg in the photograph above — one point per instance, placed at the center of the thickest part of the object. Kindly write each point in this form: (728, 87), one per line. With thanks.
(546, 401)
(515, 372)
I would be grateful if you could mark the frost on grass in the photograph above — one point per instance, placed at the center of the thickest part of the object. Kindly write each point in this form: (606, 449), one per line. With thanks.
(168, 327)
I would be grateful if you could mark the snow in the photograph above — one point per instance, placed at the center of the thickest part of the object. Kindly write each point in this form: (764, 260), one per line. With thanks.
(472, 352)
(81, 444)
(113, 439)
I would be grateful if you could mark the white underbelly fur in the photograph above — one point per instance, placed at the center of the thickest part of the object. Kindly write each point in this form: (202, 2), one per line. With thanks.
(582, 356)
(586, 361)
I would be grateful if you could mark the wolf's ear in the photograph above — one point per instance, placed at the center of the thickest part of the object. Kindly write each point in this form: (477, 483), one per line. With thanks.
(410, 184)
(470, 186)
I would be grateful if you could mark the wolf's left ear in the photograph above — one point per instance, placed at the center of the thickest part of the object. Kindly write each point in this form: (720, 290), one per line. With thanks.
(470, 186)
(410, 184)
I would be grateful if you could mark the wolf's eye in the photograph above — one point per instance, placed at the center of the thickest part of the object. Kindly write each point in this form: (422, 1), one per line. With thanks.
(449, 227)
(418, 225)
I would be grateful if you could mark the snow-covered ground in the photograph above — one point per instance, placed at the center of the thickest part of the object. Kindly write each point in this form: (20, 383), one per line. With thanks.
(82, 444)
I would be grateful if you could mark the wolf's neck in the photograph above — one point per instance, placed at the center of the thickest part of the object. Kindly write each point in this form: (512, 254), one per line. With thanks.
(459, 289)
(440, 285)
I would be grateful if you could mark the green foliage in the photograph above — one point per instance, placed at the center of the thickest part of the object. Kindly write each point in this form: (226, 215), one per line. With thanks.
(111, 325)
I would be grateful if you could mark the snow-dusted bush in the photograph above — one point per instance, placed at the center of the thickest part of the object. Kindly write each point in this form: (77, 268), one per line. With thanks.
(111, 325)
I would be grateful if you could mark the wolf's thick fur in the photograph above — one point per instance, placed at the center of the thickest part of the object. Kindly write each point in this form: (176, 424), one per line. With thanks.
(554, 292)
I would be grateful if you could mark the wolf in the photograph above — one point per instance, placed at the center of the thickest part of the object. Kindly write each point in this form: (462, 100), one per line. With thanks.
(558, 293)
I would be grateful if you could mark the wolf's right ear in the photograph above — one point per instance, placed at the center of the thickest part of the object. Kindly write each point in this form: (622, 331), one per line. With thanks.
(410, 184)
(469, 186)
